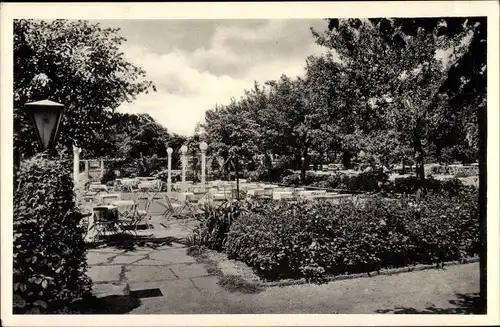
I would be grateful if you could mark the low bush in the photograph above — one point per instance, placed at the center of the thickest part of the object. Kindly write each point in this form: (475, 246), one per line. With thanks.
(315, 239)
(49, 250)
(363, 182)
(269, 175)
(214, 223)
(409, 185)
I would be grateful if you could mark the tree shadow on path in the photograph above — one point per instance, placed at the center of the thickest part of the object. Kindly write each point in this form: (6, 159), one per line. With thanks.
(112, 304)
(131, 242)
(465, 304)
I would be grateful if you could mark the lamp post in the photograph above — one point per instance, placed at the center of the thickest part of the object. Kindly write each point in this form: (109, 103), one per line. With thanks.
(203, 148)
(46, 117)
(303, 169)
(184, 150)
(169, 171)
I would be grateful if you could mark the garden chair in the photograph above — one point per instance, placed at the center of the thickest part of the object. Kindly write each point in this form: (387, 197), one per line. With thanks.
(136, 217)
(171, 209)
(143, 189)
(105, 219)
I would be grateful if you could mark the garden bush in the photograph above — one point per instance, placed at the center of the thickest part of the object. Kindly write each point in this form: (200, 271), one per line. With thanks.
(363, 182)
(315, 239)
(269, 175)
(409, 185)
(214, 223)
(49, 250)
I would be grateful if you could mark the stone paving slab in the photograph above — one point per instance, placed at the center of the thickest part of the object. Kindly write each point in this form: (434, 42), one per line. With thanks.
(183, 271)
(107, 250)
(127, 259)
(101, 290)
(173, 245)
(207, 283)
(172, 256)
(100, 274)
(138, 252)
(149, 262)
(148, 273)
(96, 258)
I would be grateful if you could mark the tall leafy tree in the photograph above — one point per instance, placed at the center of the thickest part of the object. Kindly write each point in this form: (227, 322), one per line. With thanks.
(394, 78)
(80, 65)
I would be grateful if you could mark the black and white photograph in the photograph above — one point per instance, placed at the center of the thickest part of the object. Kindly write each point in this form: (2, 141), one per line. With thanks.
(195, 166)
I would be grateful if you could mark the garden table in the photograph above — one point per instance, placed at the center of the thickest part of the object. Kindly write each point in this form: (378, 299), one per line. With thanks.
(256, 192)
(283, 195)
(144, 188)
(128, 217)
(98, 188)
(105, 220)
(219, 197)
(108, 198)
(185, 196)
(311, 193)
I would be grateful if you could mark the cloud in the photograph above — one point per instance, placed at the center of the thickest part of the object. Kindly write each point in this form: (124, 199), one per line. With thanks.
(191, 81)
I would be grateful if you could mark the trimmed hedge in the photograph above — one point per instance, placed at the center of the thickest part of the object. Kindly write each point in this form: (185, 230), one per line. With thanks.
(49, 250)
(375, 181)
(315, 239)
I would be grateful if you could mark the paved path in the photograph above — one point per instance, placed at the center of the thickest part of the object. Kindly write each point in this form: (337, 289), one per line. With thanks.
(166, 280)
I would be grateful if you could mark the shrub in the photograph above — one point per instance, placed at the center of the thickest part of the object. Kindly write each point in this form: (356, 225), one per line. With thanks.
(315, 239)
(365, 182)
(49, 251)
(409, 185)
(271, 175)
(214, 223)
(312, 179)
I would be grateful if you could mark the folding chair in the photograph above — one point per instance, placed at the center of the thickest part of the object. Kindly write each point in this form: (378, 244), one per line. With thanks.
(171, 209)
(143, 190)
(104, 220)
(156, 189)
(131, 221)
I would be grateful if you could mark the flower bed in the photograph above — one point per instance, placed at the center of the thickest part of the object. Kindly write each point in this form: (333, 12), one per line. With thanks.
(316, 239)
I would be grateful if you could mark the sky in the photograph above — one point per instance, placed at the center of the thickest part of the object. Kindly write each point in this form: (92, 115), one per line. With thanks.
(196, 64)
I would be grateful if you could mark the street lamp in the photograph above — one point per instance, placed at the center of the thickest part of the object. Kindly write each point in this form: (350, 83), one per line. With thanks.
(203, 148)
(303, 169)
(184, 150)
(46, 116)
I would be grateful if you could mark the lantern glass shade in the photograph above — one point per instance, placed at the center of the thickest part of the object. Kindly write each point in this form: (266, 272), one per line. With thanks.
(46, 116)
(203, 146)
(184, 149)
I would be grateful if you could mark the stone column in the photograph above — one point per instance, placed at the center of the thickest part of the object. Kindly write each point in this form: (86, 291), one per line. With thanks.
(102, 169)
(184, 150)
(169, 171)
(76, 166)
(203, 148)
(87, 169)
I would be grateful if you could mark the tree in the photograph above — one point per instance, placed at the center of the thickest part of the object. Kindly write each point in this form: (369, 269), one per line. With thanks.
(80, 65)
(230, 131)
(463, 88)
(393, 79)
(139, 135)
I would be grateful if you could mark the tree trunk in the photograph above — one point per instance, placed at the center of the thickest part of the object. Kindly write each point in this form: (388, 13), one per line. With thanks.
(346, 159)
(419, 159)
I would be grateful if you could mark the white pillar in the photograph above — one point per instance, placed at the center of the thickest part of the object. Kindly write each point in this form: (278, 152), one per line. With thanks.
(184, 150)
(169, 171)
(102, 169)
(203, 148)
(76, 166)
